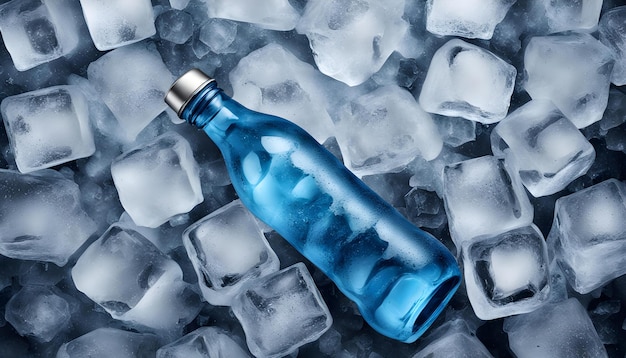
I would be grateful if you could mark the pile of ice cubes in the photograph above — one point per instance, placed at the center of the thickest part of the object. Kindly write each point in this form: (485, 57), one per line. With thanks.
(497, 125)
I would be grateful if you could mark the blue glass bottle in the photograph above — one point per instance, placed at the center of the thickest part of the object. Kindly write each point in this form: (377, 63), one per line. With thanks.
(399, 276)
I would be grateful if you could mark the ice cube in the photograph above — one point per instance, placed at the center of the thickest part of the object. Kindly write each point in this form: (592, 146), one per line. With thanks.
(507, 274)
(471, 19)
(352, 39)
(39, 312)
(384, 130)
(483, 197)
(36, 31)
(453, 339)
(228, 249)
(133, 281)
(158, 180)
(218, 35)
(557, 330)
(571, 70)
(566, 15)
(543, 146)
(41, 217)
(110, 342)
(201, 343)
(281, 312)
(588, 235)
(179, 4)
(612, 31)
(48, 127)
(269, 14)
(425, 208)
(272, 80)
(175, 26)
(455, 131)
(132, 81)
(467, 81)
(116, 23)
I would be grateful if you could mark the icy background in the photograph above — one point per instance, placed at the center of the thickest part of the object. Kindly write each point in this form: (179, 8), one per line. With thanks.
(497, 125)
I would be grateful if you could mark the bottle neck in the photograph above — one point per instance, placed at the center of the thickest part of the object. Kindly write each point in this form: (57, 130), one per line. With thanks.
(204, 106)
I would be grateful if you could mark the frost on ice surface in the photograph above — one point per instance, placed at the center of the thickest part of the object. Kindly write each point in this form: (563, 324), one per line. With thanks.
(201, 343)
(612, 31)
(563, 15)
(269, 14)
(110, 342)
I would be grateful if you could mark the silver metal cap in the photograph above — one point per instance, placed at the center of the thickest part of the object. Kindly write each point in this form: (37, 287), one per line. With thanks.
(185, 87)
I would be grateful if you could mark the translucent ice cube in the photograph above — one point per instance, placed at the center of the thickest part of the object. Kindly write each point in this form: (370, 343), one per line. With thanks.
(558, 330)
(612, 30)
(467, 81)
(483, 197)
(384, 130)
(133, 281)
(38, 311)
(48, 127)
(110, 342)
(269, 14)
(41, 217)
(175, 26)
(115, 23)
(158, 180)
(571, 70)
(453, 339)
(543, 146)
(281, 312)
(507, 274)
(36, 31)
(566, 15)
(228, 249)
(272, 80)
(468, 18)
(218, 35)
(588, 235)
(132, 81)
(352, 39)
(201, 343)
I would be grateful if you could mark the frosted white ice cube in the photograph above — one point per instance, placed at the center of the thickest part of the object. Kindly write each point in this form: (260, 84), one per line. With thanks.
(571, 70)
(384, 130)
(507, 274)
(36, 31)
(483, 197)
(556, 330)
(227, 250)
(115, 23)
(39, 312)
(272, 80)
(588, 235)
(48, 127)
(281, 312)
(110, 342)
(352, 39)
(158, 180)
(468, 18)
(269, 14)
(612, 31)
(566, 15)
(41, 217)
(202, 343)
(467, 81)
(132, 81)
(543, 146)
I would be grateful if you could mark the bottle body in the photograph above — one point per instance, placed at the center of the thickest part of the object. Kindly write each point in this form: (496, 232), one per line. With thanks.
(399, 276)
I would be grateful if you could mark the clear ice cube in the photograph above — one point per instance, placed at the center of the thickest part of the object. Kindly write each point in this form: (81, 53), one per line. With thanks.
(227, 250)
(116, 23)
(384, 130)
(158, 180)
(483, 197)
(571, 70)
(41, 217)
(612, 31)
(467, 81)
(475, 19)
(563, 15)
(269, 14)
(543, 146)
(219, 35)
(202, 343)
(110, 342)
(175, 26)
(507, 274)
(48, 127)
(352, 39)
(588, 235)
(132, 81)
(36, 31)
(453, 339)
(556, 330)
(281, 312)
